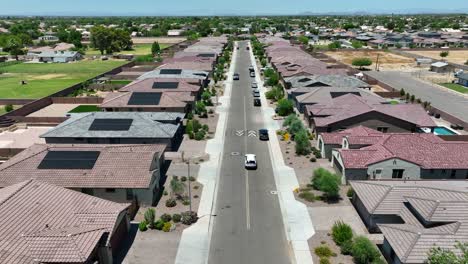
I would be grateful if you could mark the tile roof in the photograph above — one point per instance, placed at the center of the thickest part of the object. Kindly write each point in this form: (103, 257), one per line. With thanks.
(146, 85)
(435, 201)
(185, 74)
(144, 125)
(188, 65)
(117, 166)
(325, 95)
(336, 138)
(426, 150)
(329, 80)
(61, 226)
(349, 105)
(174, 98)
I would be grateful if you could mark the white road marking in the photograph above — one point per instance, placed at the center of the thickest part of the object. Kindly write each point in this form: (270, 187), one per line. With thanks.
(247, 195)
(239, 133)
(252, 133)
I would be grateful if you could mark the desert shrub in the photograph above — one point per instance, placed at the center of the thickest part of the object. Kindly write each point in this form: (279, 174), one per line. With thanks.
(289, 119)
(191, 178)
(313, 159)
(189, 127)
(285, 107)
(308, 196)
(295, 126)
(186, 201)
(324, 261)
(341, 232)
(142, 226)
(171, 202)
(166, 227)
(350, 192)
(165, 193)
(346, 247)
(200, 135)
(166, 217)
(364, 251)
(189, 217)
(183, 178)
(318, 174)
(324, 252)
(176, 218)
(159, 224)
(330, 186)
(190, 116)
(8, 108)
(149, 217)
(196, 187)
(302, 143)
(205, 127)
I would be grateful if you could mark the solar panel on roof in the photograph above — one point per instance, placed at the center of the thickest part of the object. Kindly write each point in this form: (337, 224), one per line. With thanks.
(206, 55)
(145, 99)
(165, 85)
(108, 124)
(71, 160)
(170, 71)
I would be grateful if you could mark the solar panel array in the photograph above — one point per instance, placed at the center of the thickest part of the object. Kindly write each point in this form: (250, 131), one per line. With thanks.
(110, 124)
(69, 160)
(145, 99)
(170, 71)
(165, 85)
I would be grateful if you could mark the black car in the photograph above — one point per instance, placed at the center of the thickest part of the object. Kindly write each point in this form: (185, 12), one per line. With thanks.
(263, 134)
(236, 76)
(257, 102)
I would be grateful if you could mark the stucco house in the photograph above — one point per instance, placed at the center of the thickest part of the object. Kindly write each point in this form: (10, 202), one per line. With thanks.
(58, 56)
(61, 226)
(351, 138)
(119, 128)
(403, 156)
(462, 79)
(413, 216)
(350, 110)
(119, 173)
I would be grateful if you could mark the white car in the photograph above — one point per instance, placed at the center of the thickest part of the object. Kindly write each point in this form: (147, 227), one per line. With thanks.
(250, 161)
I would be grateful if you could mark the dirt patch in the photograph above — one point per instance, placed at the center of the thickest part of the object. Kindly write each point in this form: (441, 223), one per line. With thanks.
(46, 76)
(322, 238)
(455, 56)
(387, 60)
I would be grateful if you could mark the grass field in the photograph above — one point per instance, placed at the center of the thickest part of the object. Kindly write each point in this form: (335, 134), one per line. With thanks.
(85, 109)
(456, 87)
(138, 49)
(44, 79)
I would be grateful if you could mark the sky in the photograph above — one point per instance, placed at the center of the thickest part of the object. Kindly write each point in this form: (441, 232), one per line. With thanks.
(223, 7)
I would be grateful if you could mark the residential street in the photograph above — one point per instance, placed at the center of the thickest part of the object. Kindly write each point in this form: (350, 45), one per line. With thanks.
(248, 226)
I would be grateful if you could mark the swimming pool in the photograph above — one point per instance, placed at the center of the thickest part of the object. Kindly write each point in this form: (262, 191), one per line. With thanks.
(444, 131)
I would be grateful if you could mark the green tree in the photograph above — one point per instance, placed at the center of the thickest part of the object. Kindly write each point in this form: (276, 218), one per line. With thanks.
(356, 44)
(303, 40)
(8, 108)
(330, 185)
(273, 79)
(334, 45)
(302, 142)
(14, 46)
(444, 256)
(101, 39)
(285, 107)
(295, 127)
(444, 54)
(155, 48)
(341, 232)
(290, 119)
(402, 92)
(364, 251)
(200, 108)
(361, 62)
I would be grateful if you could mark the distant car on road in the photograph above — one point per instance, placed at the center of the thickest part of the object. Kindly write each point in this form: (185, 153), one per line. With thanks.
(236, 76)
(256, 93)
(254, 85)
(257, 102)
(247, 48)
(250, 162)
(251, 68)
(263, 134)
(252, 74)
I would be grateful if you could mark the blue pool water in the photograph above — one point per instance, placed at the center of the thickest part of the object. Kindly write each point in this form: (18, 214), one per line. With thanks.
(443, 131)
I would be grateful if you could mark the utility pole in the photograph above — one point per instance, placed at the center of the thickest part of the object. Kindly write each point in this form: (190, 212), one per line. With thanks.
(377, 63)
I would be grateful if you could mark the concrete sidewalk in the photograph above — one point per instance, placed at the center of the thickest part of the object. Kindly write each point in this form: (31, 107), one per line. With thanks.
(195, 242)
(297, 222)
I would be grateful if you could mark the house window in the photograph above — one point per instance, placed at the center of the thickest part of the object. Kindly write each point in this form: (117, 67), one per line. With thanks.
(397, 174)
(453, 173)
(431, 171)
(377, 173)
(382, 129)
(110, 190)
(129, 193)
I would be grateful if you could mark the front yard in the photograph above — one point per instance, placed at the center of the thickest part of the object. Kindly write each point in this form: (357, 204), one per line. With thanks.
(456, 87)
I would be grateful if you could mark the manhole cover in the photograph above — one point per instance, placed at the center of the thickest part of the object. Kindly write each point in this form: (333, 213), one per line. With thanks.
(274, 192)
(235, 153)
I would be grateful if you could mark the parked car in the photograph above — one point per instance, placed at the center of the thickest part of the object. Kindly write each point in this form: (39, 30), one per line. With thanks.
(251, 68)
(254, 85)
(252, 74)
(236, 76)
(250, 162)
(256, 93)
(263, 134)
(257, 102)
(247, 48)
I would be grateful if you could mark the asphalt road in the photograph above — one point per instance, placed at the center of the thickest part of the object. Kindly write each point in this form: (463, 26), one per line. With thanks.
(248, 226)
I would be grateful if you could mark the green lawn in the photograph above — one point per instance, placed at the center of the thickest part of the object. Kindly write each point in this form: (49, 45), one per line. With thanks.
(138, 49)
(85, 109)
(456, 87)
(46, 78)
(124, 82)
